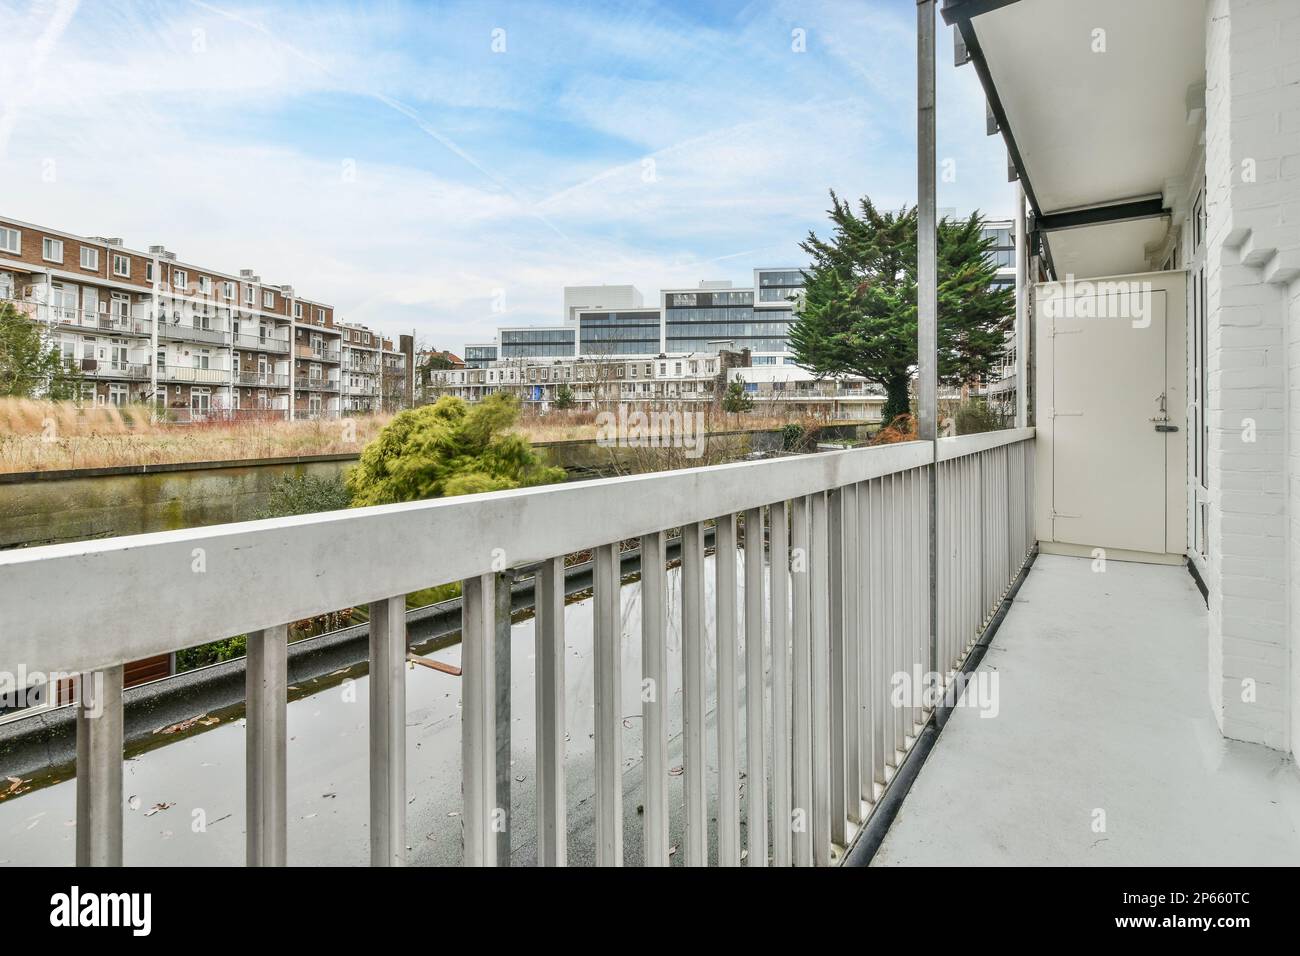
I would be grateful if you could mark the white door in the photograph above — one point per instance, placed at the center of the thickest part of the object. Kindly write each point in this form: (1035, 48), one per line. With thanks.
(1112, 400)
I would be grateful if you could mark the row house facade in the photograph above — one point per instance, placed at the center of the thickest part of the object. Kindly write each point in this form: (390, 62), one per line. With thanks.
(591, 382)
(196, 342)
(375, 374)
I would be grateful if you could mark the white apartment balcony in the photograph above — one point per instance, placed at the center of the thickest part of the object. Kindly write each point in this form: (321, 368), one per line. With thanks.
(829, 549)
(1102, 681)
(198, 376)
(183, 331)
(317, 354)
(368, 388)
(352, 364)
(315, 384)
(108, 323)
(262, 343)
(252, 377)
(97, 369)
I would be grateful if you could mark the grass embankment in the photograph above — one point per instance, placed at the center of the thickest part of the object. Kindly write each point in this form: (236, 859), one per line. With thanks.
(51, 436)
(54, 436)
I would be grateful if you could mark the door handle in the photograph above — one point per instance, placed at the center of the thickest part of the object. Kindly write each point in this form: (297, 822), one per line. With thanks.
(1166, 428)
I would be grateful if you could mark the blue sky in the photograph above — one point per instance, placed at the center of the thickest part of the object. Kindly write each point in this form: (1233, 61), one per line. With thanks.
(449, 167)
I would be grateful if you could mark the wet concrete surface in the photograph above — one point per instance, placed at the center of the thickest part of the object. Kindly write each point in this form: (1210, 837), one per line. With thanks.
(185, 799)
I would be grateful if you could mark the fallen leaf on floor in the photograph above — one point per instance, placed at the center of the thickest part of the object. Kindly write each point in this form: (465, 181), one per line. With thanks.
(157, 807)
(181, 726)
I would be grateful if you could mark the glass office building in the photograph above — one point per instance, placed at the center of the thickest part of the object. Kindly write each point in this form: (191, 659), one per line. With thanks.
(1003, 252)
(480, 356)
(625, 332)
(707, 320)
(777, 286)
(538, 342)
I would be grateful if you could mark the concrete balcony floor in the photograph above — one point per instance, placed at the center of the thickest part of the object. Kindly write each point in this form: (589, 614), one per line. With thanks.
(1103, 704)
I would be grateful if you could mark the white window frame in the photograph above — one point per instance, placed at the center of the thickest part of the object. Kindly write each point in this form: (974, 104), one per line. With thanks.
(180, 280)
(205, 285)
(268, 299)
(48, 245)
(14, 247)
(228, 290)
(121, 265)
(90, 258)
(297, 310)
(250, 295)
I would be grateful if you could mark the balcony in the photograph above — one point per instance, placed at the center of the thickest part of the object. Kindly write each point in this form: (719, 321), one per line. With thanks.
(352, 364)
(261, 343)
(316, 354)
(846, 615)
(107, 323)
(93, 368)
(262, 379)
(200, 376)
(183, 332)
(1102, 680)
(370, 388)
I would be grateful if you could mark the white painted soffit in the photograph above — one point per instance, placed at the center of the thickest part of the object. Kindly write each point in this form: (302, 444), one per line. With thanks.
(1096, 96)
(1112, 249)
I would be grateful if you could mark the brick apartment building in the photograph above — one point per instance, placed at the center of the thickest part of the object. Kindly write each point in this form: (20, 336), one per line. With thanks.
(195, 341)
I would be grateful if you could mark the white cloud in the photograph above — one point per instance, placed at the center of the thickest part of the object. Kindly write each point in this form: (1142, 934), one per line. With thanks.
(522, 173)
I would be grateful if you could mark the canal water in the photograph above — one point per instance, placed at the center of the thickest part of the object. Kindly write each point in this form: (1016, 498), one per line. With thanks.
(185, 797)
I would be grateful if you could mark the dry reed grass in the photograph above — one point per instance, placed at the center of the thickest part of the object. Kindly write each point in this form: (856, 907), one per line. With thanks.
(50, 436)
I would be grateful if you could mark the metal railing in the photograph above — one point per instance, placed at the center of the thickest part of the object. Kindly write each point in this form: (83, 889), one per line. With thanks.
(317, 355)
(113, 323)
(264, 379)
(182, 373)
(94, 368)
(261, 343)
(823, 641)
(185, 332)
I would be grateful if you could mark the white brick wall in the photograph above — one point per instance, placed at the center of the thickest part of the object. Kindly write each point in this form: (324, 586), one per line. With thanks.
(1253, 113)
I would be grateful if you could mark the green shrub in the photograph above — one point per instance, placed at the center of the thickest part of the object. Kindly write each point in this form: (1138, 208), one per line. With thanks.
(975, 416)
(448, 448)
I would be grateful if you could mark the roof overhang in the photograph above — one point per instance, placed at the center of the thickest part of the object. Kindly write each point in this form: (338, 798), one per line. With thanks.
(1101, 107)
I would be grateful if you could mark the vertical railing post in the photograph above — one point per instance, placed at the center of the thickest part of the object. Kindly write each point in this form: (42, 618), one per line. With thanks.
(755, 681)
(801, 681)
(607, 657)
(852, 630)
(388, 731)
(99, 767)
(780, 614)
(480, 820)
(819, 651)
(693, 700)
(654, 708)
(501, 665)
(552, 831)
(836, 587)
(266, 682)
(724, 564)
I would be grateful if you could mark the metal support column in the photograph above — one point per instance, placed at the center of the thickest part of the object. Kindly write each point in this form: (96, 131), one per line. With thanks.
(927, 285)
(1022, 311)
